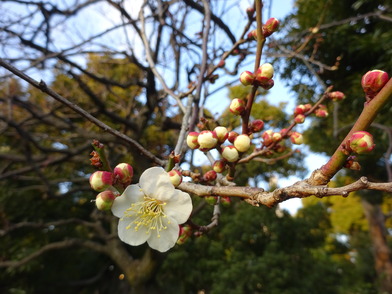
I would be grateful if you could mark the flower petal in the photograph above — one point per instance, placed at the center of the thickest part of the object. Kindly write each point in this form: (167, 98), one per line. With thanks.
(167, 238)
(130, 235)
(179, 207)
(131, 195)
(156, 183)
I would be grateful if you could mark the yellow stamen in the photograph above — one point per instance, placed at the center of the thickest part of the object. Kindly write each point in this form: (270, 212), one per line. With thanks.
(149, 213)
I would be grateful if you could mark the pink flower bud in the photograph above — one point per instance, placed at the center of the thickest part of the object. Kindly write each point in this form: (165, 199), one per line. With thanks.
(336, 96)
(252, 35)
(250, 11)
(175, 177)
(307, 107)
(321, 111)
(231, 137)
(373, 81)
(210, 176)
(230, 153)
(219, 166)
(361, 142)
(264, 73)
(221, 63)
(256, 126)
(221, 133)
(123, 173)
(104, 200)
(267, 137)
(242, 143)
(237, 106)
(299, 118)
(296, 138)
(247, 78)
(101, 180)
(191, 140)
(268, 85)
(299, 109)
(276, 137)
(207, 140)
(184, 234)
(270, 27)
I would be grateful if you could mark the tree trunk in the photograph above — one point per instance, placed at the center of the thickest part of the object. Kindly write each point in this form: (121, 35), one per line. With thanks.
(381, 251)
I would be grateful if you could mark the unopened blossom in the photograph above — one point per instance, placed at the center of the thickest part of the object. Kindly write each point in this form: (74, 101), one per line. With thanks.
(299, 118)
(222, 133)
(336, 95)
(104, 200)
(299, 109)
(247, 78)
(256, 126)
(242, 143)
(191, 140)
(296, 138)
(152, 211)
(210, 176)
(373, 81)
(237, 106)
(268, 85)
(123, 172)
(361, 142)
(207, 140)
(264, 73)
(230, 153)
(101, 180)
(232, 135)
(270, 136)
(185, 233)
(219, 165)
(175, 177)
(321, 111)
(270, 26)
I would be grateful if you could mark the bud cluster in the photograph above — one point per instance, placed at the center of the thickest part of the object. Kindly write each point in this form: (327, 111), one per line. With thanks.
(104, 182)
(270, 27)
(261, 78)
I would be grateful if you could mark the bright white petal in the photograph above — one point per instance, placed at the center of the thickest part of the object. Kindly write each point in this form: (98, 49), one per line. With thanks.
(130, 236)
(167, 238)
(179, 207)
(156, 183)
(131, 194)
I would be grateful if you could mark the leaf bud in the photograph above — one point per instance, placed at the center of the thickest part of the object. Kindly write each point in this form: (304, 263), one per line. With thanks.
(247, 78)
(211, 200)
(207, 140)
(230, 153)
(361, 142)
(104, 200)
(222, 133)
(242, 143)
(221, 63)
(101, 180)
(175, 177)
(373, 81)
(191, 140)
(123, 173)
(237, 106)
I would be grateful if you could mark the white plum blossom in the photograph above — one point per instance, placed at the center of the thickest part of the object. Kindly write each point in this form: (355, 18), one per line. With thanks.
(152, 211)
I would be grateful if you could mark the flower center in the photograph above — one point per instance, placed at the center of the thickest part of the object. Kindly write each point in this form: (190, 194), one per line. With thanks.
(148, 213)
